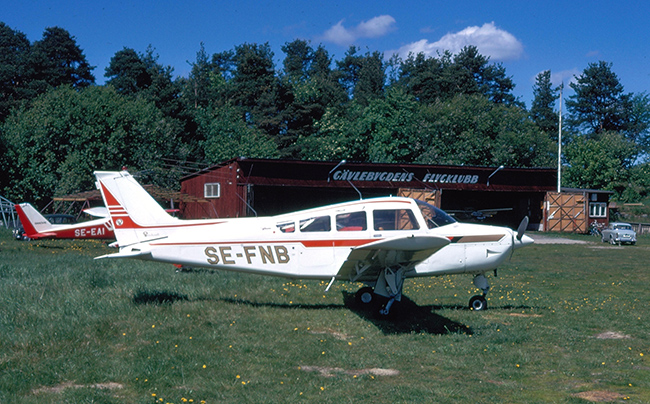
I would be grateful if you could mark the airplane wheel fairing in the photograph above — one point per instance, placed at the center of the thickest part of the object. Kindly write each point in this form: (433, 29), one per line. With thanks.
(478, 302)
(365, 295)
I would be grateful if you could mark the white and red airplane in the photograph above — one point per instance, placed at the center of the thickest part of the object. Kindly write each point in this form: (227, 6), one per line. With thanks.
(36, 226)
(379, 242)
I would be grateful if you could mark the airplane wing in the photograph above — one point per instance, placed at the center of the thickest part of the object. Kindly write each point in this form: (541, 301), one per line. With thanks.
(365, 263)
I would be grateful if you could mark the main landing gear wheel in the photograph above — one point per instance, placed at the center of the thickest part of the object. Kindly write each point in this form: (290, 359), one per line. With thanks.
(365, 296)
(478, 302)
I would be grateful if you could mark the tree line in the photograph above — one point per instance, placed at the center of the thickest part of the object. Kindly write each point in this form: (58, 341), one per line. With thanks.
(57, 125)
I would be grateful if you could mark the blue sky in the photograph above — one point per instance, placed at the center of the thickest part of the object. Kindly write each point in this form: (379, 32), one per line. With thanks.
(527, 37)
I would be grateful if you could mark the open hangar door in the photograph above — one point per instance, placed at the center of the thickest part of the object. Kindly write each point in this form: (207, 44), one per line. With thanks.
(496, 208)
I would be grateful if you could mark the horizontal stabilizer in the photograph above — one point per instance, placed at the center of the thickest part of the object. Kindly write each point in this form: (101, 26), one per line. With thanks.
(128, 254)
(99, 211)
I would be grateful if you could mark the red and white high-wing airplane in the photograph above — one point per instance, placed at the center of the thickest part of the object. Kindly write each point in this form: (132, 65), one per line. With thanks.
(379, 241)
(37, 226)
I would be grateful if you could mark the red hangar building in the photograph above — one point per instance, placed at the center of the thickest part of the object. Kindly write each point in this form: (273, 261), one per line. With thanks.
(248, 187)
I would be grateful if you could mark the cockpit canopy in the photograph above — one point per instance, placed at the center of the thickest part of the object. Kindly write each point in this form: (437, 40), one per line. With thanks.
(434, 217)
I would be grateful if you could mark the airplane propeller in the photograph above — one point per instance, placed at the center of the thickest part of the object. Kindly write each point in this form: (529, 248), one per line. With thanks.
(522, 228)
(520, 234)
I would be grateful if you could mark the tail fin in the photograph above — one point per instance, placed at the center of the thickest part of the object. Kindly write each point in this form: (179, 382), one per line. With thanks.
(136, 216)
(33, 222)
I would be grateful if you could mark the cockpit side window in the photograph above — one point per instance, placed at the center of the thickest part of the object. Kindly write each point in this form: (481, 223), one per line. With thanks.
(353, 221)
(433, 216)
(286, 227)
(320, 223)
(394, 219)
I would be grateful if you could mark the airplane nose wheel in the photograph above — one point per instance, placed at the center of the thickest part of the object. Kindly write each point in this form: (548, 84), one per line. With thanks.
(478, 302)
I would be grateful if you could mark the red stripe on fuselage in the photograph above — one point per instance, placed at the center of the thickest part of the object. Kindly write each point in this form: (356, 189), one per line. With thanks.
(306, 243)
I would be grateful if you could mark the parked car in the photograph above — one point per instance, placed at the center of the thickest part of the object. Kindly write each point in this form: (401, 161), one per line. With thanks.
(619, 233)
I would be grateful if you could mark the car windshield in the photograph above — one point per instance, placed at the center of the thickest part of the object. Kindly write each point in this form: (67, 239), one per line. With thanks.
(433, 216)
(623, 227)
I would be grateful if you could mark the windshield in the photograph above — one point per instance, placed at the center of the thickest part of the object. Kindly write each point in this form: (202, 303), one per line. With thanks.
(433, 216)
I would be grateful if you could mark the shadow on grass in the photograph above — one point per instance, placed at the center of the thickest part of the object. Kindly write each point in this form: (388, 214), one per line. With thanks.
(158, 297)
(405, 316)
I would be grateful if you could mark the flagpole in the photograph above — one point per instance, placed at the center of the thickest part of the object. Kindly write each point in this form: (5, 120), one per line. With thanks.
(559, 146)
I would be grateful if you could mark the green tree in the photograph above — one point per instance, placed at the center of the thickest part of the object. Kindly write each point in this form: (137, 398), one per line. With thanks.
(127, 72)
(57, 60)
(422, 77)
(473, 74)
(208, 81)
(599, 103)
(391, 129)
(601, 163)
(472, 130)
(54, 146)
(308, 88)
(541, 110)
(228, 136)
(255, 88)
(14, 53)
(363, 76)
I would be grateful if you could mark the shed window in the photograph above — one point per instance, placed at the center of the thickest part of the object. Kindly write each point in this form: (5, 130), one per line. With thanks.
(212, 190)
(598, 209)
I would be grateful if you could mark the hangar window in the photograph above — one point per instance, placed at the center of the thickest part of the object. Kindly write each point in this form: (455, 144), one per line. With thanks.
(394, 219)
(212, 190)
(321, 223)
(598, 209)
(353, 221)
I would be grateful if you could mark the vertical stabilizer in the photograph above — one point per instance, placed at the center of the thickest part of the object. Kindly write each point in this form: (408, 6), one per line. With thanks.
(136, 216)
(32, 220)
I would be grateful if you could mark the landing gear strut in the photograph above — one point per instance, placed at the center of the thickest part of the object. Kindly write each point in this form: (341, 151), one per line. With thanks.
(479, 302)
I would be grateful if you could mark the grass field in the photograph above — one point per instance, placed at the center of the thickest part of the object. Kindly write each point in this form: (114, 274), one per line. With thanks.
(566, 324)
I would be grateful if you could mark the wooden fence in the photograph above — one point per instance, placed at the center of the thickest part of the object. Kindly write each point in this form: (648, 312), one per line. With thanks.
(641, 228)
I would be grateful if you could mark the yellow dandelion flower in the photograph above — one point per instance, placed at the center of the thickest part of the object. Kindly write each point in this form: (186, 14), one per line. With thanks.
(204, 366)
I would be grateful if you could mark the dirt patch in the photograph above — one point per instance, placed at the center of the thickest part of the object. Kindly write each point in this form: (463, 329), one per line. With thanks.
(70, 385)
(599, 396)
(330, 372)
(541, 239)
(611, 335)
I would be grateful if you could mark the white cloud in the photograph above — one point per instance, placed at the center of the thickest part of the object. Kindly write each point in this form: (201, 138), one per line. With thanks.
(491, 41)
(373, 28)
(565, 76)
